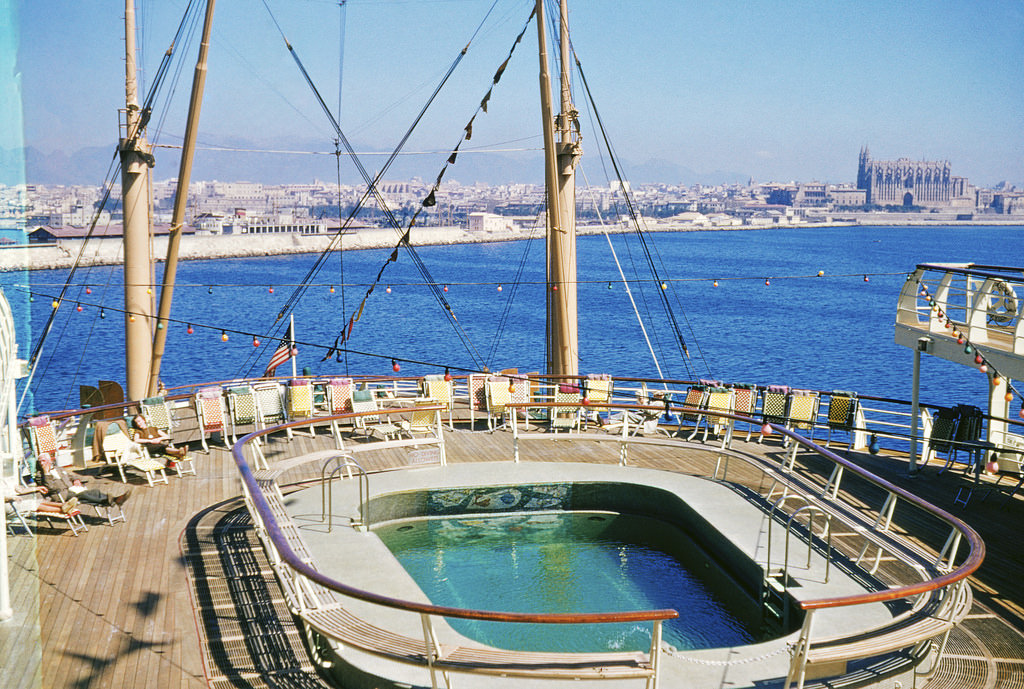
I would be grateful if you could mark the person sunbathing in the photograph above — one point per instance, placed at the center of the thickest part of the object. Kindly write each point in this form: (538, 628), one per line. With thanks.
(57, 482)
(29, 496)
(155, 440)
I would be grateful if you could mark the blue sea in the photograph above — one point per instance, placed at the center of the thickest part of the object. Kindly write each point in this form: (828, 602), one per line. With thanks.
(828, 332)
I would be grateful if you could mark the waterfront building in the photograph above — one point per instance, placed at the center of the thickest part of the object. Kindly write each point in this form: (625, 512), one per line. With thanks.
(906, 182)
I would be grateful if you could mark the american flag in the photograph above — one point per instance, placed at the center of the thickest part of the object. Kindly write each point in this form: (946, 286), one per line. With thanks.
(282, 354)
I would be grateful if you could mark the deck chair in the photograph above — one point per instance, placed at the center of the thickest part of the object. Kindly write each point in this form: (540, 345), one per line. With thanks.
(436, 388)
(25, 505)
(300, 401)
(42, 436)
(842, 413)
(773, 406)
(364, 401)
(477, 384)
(719, 399)
(241, 408)
(127, 453)
(157, 413)
(567, 418)
(598, 393)
(802, 410)
(210, 414)
(940, 436)
(339, 401)
(424, 421)
(270, 405)
(744, 396)
(499, 396)
(696, 397)
(969, 426)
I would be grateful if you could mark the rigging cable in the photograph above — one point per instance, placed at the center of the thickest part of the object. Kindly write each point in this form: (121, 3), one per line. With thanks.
(634, 216)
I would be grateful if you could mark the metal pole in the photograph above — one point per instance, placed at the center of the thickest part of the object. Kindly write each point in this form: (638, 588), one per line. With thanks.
(915, 409)
(180, 199)
(291, 329)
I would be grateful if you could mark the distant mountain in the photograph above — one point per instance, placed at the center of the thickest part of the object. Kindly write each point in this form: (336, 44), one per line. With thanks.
(91, 165)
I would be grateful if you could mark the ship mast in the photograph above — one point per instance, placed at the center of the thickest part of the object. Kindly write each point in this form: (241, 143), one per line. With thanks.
(136, 159)
(560, 158)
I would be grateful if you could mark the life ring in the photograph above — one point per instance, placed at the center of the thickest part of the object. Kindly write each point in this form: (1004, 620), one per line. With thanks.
(1003, 308)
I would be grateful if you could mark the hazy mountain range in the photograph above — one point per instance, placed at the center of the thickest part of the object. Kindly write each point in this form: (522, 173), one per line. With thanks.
(91, 166)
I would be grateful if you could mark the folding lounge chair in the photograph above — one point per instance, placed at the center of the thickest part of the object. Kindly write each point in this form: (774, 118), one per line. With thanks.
(745, 402)
(499, 396)
(477, 384)
(424, 421)
(696, 397)
(339, 401)
(566, 418)
(127, 453)
(270, 405)
(598, 394)
(42, 436)
(300, 401)
(26, 505)
(439, 390)
(842, 413)
(773, 406)
(969, 428)
(719, 400)
(241, 408)
(802, 410)
(940, 437)
(157, 413)
(364, 401)
(210, 414)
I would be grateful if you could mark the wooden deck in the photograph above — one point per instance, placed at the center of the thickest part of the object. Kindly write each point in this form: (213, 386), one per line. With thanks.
(181, 595)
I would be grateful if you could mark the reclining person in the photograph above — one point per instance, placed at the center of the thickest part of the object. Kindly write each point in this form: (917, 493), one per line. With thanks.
(30, 497)
(58, 483)
(155, 440)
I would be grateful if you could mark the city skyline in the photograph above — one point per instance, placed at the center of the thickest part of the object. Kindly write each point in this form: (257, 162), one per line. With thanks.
(768, 90)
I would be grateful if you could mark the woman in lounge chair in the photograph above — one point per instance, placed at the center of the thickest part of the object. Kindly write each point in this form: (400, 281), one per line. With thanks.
(30, 497)
(155, 441)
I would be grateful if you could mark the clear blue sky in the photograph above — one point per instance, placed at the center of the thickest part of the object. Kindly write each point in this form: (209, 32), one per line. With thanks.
(777, 90)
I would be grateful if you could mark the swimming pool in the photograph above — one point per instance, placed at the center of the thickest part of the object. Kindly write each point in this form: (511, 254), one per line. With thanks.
(570, 561)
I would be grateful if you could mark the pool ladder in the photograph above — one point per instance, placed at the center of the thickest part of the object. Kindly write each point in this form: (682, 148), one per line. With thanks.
(332, 467)
(775, 599)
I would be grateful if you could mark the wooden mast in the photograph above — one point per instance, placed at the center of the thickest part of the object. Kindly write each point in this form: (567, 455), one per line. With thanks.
(180, 198)
(560, 159)
(136, 159)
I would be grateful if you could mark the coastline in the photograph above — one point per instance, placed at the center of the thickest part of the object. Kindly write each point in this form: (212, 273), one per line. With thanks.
(108, 250)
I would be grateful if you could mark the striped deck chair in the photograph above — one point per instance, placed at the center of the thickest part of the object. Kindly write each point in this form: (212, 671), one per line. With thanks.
(339, 401)
(940, 435)
(210, 414)
(477, 383)
(773, 405)
(241, 408)
(969, 428)
(696, 398)
(300, 401)
(842, 413)
(128, 453)
(566, 418)
(436, 388)
(719, 400)
(522, 393)
(498, 397)
(802, 411)
(365, 401)
(270, 405)
(745, 402)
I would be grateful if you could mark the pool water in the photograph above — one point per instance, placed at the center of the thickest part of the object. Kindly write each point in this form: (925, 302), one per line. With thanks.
(567, 562)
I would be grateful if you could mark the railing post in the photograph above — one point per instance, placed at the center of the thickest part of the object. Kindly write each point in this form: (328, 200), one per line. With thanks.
(430, 641)
(655, 655)
(515, 437)
(798, 665)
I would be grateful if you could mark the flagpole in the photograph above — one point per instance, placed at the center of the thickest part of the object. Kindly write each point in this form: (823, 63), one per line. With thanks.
(291, 329)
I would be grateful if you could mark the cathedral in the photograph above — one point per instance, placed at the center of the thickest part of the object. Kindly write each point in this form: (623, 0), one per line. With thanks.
(906, 182)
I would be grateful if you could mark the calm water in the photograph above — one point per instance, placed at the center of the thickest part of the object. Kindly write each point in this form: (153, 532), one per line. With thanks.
(832, 332)
(565, 562)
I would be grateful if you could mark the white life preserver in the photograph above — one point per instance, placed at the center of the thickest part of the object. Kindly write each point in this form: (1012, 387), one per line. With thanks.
(1003, 308)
